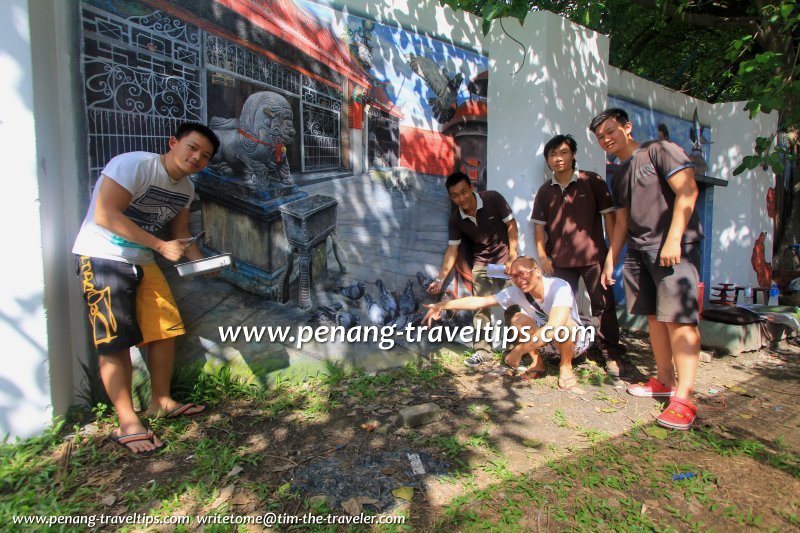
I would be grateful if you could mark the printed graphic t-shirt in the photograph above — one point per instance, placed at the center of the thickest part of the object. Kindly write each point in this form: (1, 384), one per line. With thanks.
(557, 293)
(156, 201)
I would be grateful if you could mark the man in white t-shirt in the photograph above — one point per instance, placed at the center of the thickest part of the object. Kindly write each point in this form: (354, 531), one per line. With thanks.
(128, 298)
(546, 304)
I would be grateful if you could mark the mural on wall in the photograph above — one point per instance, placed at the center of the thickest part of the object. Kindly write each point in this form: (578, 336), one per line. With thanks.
(299, 94)
(423, 81)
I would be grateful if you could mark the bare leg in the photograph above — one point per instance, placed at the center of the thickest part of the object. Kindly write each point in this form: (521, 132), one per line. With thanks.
(116, 372)
(160, 359)
(662, 350)
(685, 342)
(513, 358)
(567, 351)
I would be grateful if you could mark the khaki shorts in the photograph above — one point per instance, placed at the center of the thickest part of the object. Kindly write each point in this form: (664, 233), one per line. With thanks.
(669, 293)
(156, 309)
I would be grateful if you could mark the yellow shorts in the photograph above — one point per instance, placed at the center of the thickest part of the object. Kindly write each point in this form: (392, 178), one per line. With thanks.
(156, 310)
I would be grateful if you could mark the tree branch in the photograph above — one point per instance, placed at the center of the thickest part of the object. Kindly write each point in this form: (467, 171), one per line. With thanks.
(700, 19)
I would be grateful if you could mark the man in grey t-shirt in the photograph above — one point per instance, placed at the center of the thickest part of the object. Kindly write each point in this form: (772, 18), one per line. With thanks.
(655, 193)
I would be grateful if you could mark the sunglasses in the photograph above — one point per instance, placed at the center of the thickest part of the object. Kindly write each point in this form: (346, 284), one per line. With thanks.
(519, 275)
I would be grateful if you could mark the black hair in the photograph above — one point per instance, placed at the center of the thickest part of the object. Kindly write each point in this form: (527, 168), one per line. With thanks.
(613, 112)
(188, 127)
(663, 129)
(455, 178)
(557, 141)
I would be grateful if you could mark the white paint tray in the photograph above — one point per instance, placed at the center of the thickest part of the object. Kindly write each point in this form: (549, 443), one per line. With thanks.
(215, 263)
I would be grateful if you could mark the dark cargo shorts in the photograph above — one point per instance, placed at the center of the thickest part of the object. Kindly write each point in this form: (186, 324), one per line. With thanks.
(669, 293)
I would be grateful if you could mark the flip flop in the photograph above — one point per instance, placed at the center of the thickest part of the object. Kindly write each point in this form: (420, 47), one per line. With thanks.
(124, 440)
(567, 383)
(177, 411)
(532, 374)
(181, 411)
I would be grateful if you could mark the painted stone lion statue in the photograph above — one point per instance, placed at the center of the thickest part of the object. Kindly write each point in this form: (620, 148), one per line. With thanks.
(253, 147)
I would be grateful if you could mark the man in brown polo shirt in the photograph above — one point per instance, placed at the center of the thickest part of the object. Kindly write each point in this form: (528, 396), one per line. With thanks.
(655, 193)
(568, 214)
(485, 221)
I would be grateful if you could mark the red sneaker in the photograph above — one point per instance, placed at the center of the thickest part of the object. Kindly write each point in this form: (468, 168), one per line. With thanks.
(652, 389)
(680, 414)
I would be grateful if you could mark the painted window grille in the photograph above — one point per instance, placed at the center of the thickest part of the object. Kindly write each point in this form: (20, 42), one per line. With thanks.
(145, 73)
(384, 138)
(321, 108)
(142, 77)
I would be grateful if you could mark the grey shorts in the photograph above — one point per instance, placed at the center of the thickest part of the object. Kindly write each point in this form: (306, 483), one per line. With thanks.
(669, 293)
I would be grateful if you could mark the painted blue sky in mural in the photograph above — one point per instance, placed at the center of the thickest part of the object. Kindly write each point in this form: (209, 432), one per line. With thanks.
(645, 125)
(390, 50)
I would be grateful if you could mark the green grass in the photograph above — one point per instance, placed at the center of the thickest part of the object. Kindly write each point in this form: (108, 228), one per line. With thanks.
(604, 488)
(560, 419)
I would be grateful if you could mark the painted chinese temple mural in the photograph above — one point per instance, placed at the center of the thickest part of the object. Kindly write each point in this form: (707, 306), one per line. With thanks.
(302, 96)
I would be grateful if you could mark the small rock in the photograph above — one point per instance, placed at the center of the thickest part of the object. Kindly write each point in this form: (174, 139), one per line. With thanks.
(235, 471)
(89, 430)
(418, 415)
(706, 357)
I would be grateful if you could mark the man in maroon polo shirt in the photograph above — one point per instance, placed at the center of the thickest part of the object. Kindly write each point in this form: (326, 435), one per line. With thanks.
(568, 215)
(485, 221)
(655, 193)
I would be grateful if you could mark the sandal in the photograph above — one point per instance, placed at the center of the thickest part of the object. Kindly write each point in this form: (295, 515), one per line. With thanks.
(180, 410)
(567, 383)
(679, 414)
(532, 373)
(124, 440)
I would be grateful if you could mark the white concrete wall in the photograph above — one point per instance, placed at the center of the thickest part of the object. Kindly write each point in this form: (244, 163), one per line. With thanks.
(42, 321)
(535, 94)
(25, 406)
(740, 212)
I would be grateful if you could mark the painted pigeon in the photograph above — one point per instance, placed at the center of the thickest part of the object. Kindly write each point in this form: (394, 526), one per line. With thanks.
(386, 300)
(375, 312)
(354, 291)
(403, 320)
(408, 302)
(340, 318)
(424, 281)
(321, 317)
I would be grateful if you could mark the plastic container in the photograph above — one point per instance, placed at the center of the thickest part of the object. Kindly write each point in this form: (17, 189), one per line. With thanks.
(773, 294)
(215, 263)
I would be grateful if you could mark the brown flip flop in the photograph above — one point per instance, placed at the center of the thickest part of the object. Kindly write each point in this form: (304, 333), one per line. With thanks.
(532, 374)
(181, 410)
(124, 440)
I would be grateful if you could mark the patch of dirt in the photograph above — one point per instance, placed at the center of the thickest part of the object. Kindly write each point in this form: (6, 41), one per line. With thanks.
(494, 428)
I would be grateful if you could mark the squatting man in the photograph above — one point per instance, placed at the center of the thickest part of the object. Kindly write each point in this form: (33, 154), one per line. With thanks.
(547, 305)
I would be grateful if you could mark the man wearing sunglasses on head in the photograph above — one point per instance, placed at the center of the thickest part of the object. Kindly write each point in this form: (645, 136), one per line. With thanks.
(546, 304)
